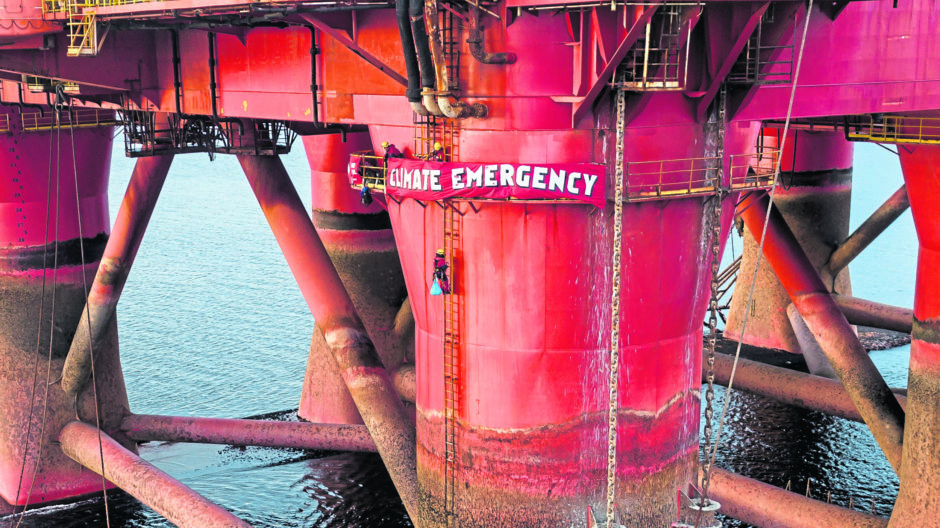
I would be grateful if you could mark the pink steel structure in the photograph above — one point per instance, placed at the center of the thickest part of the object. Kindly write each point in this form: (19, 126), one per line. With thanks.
(512, 368)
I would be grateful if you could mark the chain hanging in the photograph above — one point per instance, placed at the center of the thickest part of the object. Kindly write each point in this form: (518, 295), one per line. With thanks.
(714, 227)
(615, 316)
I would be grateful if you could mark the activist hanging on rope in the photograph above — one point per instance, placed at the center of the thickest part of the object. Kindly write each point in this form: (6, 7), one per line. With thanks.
(440, 284)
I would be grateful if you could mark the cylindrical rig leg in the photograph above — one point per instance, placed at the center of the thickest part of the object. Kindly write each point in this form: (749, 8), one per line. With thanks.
(166, 495)
(814, 198)
(761, 504)
(264, 433)
(105, 292)
(918, 501)
(835, 336)
(30, 254)
(355, 356)
(361, 245)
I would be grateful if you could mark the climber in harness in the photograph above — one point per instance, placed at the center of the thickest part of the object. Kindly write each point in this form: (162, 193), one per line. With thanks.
(440, 285)
(391, 151)
(365, 195)
(438, 153)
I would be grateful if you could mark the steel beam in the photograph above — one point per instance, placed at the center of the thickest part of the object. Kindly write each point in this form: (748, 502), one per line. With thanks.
(791, 387)
(159, 491)
(876, 315)
(344, 39)
(603, 79)
(334, 313)
(835, 336)
(761, 504)
(264, 433)
(866, 233)
(105, 292)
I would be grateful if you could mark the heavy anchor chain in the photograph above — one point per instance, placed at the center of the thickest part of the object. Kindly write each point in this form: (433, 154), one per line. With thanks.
(701, 510)
(612, 520)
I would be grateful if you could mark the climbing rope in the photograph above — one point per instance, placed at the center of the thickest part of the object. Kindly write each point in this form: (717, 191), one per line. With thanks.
(42, 300)
(91, 347)
(760, 250)
(615, 316)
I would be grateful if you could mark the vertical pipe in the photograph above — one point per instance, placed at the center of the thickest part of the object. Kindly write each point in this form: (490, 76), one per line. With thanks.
(336, 317)
(164, 494)
(835, 336)
(918, 503)
(139, 200)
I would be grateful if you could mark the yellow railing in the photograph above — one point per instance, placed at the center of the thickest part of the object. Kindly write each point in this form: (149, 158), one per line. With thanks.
(371, 171)
(4, 123)
(62, 6)
(675, 178)
(646, 180)
(81, 118)
(754, 171)
(895, 129)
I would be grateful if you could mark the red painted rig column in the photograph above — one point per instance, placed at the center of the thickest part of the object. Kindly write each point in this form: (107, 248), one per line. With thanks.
(813, 196)
(918, 503)
(29, 253)
(361, 245)
(532, 289)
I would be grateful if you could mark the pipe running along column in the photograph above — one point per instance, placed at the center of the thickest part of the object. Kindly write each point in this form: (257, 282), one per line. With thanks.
(361, 246)
(164, 494)
(426, 64)
(835, 336)
(918, 502)
(42, 299)
(334, 313)
(450, 106)
(139, 200)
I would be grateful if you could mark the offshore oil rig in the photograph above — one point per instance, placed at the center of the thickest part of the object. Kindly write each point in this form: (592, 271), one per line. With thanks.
(519, 210)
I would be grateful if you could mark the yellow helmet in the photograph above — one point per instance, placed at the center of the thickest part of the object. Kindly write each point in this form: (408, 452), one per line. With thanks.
(440, 252)
(437, 145)
(385, 144)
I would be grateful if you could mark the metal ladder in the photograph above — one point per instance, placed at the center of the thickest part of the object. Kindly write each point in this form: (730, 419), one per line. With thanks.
(452, 315)
(82, 28)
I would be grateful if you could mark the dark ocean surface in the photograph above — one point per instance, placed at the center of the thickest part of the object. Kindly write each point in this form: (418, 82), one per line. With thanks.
(212, 324)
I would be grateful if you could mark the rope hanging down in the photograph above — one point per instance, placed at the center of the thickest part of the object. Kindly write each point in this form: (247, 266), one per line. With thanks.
(60, 96)
(53, 140)
(615, 317)
(711, 453)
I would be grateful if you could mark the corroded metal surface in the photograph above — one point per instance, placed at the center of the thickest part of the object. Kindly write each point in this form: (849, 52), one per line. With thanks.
(918, 503)
(105, 292)
(790, 387)
(266, 433)
(361, 246)
(353, 352)
(30, 342)
(764, 505)
(166, 495)
(814, 198)
(835, 336)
